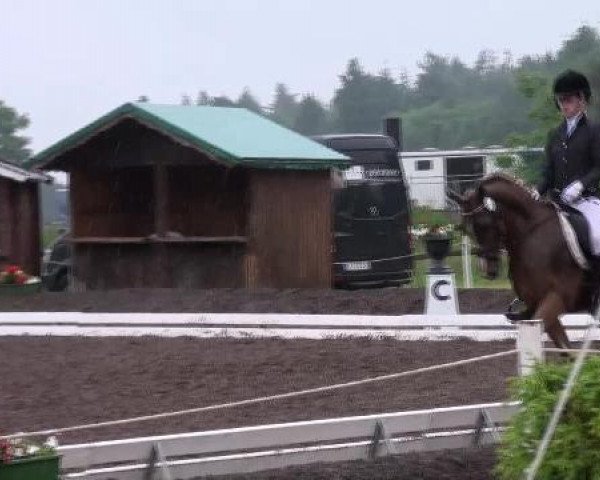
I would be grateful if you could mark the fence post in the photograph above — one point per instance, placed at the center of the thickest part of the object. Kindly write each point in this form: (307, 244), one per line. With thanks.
(466, 262)
(529, 344)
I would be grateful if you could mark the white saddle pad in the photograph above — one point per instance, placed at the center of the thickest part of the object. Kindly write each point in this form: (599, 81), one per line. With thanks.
(590, 207)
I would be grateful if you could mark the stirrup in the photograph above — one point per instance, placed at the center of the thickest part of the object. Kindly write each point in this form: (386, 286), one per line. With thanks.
(518, 311)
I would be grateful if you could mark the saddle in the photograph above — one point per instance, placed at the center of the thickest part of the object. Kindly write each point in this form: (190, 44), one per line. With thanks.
(582, 231)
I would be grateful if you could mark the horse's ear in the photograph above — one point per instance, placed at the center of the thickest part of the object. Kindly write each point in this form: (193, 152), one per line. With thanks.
(455, 197)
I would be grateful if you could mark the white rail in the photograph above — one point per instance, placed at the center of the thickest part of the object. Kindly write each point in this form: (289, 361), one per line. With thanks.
(244, 450)
(204, 325)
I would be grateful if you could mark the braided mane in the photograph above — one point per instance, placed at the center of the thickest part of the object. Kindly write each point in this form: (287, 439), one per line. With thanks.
(517, 182)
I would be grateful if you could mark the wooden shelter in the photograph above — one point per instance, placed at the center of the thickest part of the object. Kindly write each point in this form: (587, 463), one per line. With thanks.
(196, 197)
(20, 217)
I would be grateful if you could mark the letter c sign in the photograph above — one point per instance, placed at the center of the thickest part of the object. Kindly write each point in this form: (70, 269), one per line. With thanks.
(436, 287)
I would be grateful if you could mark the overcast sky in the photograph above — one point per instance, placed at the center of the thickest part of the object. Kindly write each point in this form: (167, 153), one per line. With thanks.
(66, 62)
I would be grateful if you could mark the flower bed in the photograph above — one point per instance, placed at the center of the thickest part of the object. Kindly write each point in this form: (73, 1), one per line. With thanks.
(28, 460)
(14, 281)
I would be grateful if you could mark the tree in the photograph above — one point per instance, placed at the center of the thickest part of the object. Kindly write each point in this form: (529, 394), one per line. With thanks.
(186, 100)
(312, 116)
(284, 108)
(222, 101)
(203, 98)
(13, 147)
(247, 100)
(363, 100)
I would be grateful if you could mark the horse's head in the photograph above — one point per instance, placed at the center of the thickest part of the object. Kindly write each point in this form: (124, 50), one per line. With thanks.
(481, 220)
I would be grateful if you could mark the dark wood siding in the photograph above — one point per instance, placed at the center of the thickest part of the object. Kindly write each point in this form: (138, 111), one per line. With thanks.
(207, 201)
(115, 203)
(20, 224)
(290, 229)
(106, 266)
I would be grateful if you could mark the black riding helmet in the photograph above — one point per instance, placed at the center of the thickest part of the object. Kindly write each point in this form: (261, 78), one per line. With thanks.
(572, 82)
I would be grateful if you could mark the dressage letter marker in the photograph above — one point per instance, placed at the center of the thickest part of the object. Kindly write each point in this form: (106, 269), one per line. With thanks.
(441, 289)
(441, 295)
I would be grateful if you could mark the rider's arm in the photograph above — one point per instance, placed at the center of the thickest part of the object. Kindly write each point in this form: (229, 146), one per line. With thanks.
(591, 179)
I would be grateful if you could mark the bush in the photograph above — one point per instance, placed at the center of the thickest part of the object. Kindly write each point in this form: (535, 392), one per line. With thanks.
(574, 453)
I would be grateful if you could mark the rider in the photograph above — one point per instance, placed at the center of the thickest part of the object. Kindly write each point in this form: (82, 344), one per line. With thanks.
(572, 168)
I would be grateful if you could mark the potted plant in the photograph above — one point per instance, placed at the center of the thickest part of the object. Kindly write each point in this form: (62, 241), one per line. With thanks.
(24, 459)
(14, 280)
(438, 240)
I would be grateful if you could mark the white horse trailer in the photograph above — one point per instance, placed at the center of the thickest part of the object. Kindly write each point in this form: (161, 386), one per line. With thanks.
(430, 173)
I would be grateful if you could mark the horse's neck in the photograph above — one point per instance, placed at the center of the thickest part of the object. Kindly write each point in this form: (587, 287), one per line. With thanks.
(520, 213)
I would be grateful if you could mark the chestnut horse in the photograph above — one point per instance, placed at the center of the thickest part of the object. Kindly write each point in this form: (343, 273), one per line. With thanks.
(502, 213)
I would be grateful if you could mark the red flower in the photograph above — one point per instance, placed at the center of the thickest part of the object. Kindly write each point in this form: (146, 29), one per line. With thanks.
(5, 451)
(13, 274)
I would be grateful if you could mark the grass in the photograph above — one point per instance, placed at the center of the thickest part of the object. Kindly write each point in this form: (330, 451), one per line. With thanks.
(50, 233)
(428, 216)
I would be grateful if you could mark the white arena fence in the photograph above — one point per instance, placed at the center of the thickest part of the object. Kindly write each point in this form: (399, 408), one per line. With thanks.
(482, 327)
(245, 450)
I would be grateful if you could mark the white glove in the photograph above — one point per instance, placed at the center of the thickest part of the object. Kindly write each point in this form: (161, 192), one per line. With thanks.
(572, 192)
(535, 194)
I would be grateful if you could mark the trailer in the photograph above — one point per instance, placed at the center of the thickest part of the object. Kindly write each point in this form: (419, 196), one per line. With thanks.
(430, 173)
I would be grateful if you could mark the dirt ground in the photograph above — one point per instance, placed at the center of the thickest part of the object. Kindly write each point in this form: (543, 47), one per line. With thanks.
(48, 382)
(383, 301)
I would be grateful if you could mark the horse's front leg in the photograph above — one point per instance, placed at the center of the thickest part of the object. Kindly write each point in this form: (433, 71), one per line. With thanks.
(549, 309)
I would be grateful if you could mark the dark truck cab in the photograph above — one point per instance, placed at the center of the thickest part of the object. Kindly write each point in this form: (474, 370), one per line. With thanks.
(372, 213)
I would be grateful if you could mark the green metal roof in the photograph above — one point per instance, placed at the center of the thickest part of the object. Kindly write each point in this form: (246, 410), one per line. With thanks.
(234, 135)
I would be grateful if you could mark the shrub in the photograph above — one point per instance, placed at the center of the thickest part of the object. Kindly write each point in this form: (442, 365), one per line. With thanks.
(574, 453)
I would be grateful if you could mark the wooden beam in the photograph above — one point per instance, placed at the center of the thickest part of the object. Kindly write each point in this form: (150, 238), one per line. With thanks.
(161, 198)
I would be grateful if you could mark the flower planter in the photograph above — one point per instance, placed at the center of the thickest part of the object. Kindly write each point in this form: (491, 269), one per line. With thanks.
(31, 468)
(24, 289)
(437, 246)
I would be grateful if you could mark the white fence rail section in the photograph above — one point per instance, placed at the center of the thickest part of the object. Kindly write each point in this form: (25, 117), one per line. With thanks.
(245, 450)
(403, 327)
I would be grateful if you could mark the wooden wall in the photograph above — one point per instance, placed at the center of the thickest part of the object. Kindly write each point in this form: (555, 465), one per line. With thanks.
(112, 203)
(290, 229)
(107, 266)
(207, 200)
(20, 224)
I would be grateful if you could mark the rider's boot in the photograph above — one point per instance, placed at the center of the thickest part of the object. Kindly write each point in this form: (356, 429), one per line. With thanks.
(517, 311)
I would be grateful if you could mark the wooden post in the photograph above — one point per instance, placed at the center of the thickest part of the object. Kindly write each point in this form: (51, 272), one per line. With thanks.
(466, 262)
(161, 198)
(529, 344)
(161, 223)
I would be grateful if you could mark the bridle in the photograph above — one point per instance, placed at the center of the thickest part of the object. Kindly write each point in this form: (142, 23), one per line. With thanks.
(476, 210)
(487, 253)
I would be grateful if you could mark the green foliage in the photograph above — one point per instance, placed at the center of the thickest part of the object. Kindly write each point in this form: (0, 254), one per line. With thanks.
(13, 146)
(311, 117)
(248, 101)
(574, 453)
(505, 162)
(284, 108)
(363, 99)
(429, 217)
